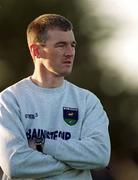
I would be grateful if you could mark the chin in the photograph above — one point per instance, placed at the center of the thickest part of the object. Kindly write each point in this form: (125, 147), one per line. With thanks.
(64, 74)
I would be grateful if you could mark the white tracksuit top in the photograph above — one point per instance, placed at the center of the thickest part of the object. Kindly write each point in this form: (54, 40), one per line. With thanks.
(68, 123)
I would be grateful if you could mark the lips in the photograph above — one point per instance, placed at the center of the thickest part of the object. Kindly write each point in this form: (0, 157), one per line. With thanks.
(67, 62)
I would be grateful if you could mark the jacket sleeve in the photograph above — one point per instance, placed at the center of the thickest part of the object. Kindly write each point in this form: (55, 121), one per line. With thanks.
(17, 159)
(92, 150)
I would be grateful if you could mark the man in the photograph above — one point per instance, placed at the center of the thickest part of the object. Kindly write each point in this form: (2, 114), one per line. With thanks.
(49, 128)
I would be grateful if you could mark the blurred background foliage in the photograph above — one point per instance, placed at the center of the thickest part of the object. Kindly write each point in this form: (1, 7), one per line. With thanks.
(91, 29)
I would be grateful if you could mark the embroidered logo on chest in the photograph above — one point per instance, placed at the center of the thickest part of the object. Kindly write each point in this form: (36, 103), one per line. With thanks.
(70, 115)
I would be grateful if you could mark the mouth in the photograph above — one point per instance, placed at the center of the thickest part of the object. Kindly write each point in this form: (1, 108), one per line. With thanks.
(67, 62)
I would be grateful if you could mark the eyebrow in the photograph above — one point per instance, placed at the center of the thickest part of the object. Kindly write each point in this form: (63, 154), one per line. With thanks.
(64, 42)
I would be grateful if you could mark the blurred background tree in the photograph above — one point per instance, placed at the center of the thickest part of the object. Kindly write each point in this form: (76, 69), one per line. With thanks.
(91, 30)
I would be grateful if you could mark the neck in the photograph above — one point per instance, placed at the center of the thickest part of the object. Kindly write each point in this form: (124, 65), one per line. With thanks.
(46, 79)
(48, 83)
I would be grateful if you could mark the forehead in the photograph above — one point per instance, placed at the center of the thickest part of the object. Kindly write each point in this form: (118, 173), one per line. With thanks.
(59, 35)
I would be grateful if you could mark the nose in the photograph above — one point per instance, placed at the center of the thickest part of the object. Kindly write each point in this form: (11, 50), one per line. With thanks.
(70, 51)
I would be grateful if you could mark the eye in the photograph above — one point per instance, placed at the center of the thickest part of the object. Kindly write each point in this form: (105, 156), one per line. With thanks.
(73, 45)
(60, 45)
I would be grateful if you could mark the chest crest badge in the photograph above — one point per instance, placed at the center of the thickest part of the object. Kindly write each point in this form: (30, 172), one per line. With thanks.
(70, 115)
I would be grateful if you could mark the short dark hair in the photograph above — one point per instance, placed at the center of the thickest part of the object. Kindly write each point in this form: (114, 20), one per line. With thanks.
(37, 29)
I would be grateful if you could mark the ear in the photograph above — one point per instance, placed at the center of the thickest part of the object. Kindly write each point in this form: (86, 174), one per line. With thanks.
(35, 50)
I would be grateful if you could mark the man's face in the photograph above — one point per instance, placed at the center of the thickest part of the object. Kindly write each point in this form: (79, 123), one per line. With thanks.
(59, 52)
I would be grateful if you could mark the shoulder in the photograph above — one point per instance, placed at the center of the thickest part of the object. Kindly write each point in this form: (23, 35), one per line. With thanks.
(12, 91)
(82, 92)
